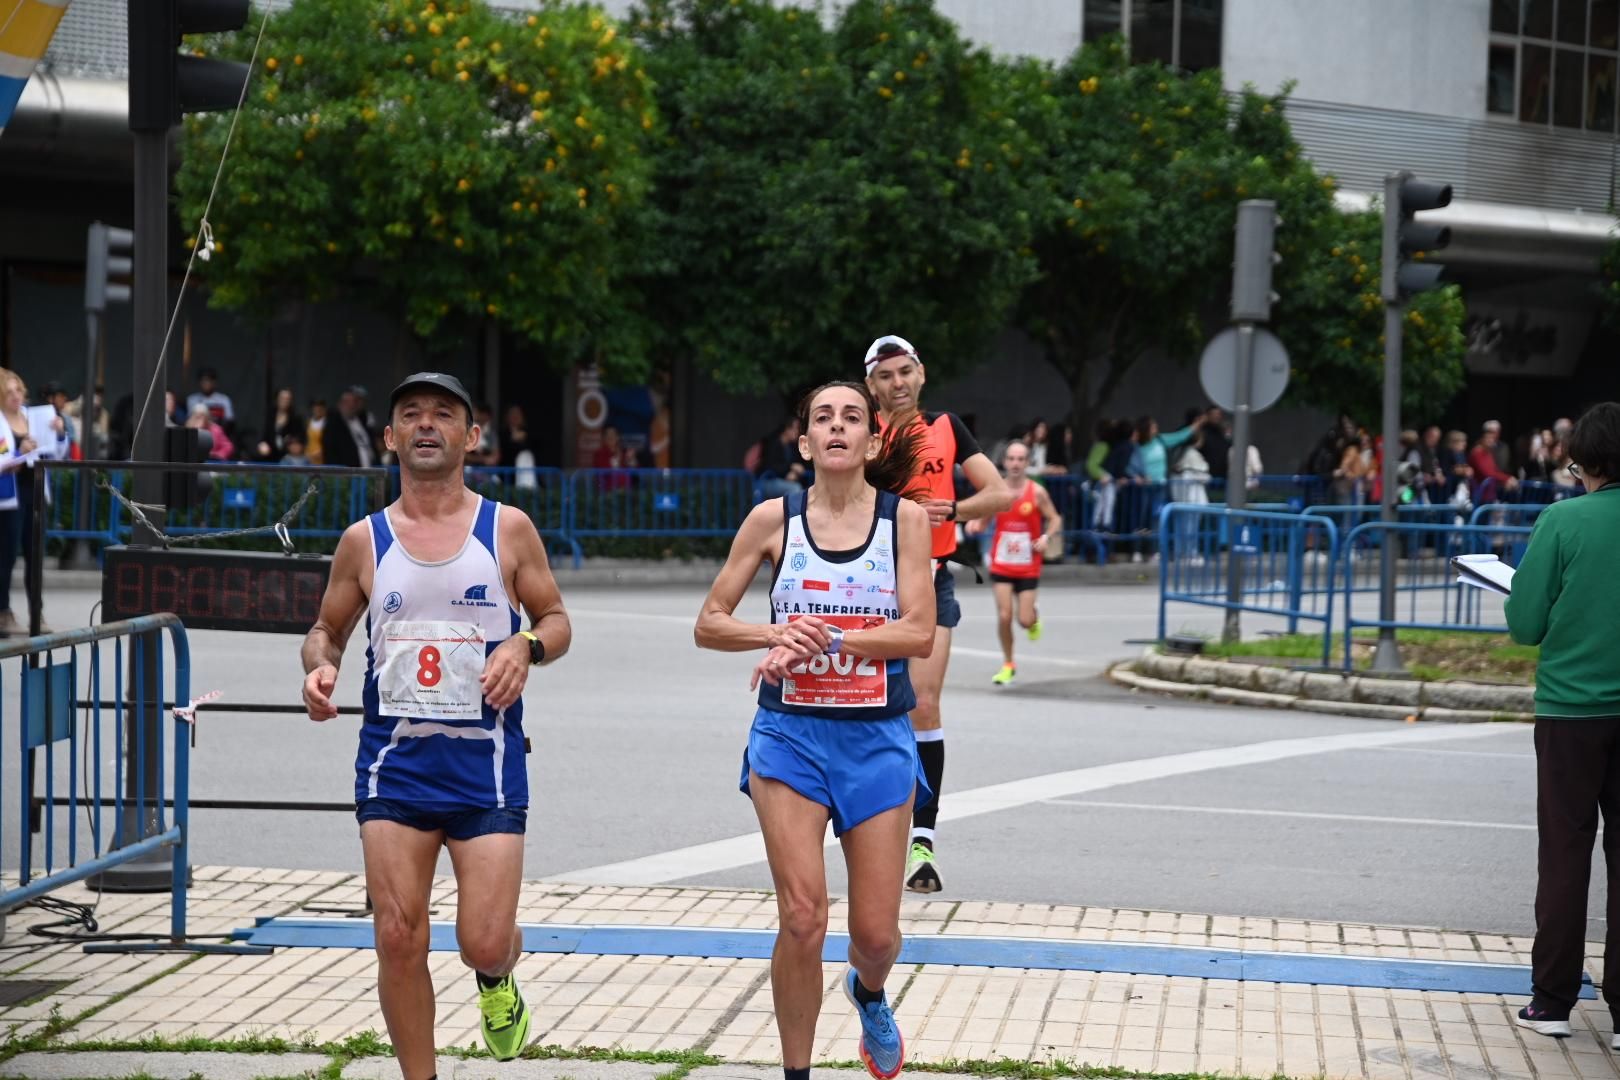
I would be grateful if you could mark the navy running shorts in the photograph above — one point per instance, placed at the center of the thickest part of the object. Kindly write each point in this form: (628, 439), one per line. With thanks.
(857, 769)
(456, 824)
(947, 612)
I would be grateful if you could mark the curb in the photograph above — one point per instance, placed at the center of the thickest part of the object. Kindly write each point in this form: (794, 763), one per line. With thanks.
(1259, 686)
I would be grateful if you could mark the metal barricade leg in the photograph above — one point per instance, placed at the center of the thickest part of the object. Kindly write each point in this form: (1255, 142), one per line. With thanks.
(150, 781)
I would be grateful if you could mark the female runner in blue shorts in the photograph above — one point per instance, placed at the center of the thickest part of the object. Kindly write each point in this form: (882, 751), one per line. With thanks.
(851, 599)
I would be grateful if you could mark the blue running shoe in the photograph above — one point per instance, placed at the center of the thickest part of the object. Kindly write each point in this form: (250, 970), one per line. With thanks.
(882, 1048)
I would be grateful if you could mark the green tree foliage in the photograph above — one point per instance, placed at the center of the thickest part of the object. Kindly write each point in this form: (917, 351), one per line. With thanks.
(443, 161)
(821, 186)
(1142, 178)
(1333, 326)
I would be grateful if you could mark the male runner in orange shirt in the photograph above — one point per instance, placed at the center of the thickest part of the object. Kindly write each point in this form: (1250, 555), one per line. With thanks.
(894, 374)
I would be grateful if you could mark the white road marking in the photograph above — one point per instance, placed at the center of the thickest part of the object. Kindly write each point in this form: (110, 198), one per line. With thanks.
(1248, 812)
(749, 849)
(1530, 757)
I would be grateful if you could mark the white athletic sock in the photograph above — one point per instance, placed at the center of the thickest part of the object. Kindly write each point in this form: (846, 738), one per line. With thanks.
(919, 833)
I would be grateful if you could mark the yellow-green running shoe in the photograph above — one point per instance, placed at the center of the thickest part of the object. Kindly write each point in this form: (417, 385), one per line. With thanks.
(1005, 675)
(921, 873)
(506, 1019)
(1035, 630)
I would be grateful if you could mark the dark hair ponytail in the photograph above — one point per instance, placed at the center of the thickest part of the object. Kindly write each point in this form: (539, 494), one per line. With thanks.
(900, 449)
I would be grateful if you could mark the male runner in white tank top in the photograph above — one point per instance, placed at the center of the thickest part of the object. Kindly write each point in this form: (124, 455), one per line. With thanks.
(440, 576)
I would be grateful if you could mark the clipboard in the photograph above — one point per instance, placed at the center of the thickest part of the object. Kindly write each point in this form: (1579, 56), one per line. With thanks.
(1484, 572)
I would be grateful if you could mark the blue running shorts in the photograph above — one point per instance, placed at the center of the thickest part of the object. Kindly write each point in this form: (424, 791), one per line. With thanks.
(457, 824)
(857, 769)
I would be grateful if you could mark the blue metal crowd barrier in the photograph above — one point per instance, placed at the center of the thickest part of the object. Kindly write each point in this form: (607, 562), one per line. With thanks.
(242, 496)
(49, 725)
(543, 493)
(1122, 517)
(1073, 499)
(1285, 561)
(100, 521)
(1100, 520)
(250, 496)
(658, 502)
(1506, 513)
(1460, 607)
(564, 505)
(1546, 491)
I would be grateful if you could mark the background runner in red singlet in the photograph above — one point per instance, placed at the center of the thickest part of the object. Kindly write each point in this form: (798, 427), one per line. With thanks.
(1017, 549)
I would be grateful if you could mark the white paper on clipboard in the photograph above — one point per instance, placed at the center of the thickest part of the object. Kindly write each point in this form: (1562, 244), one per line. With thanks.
(1484, 572)
(42, 429)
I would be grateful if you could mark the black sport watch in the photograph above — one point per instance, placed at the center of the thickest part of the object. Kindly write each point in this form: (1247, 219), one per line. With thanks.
(537, 648)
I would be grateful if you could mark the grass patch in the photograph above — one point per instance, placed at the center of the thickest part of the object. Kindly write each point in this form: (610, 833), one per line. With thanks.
(1292, 646)
(370, 1044)
(1432, 655)
(197, 1044)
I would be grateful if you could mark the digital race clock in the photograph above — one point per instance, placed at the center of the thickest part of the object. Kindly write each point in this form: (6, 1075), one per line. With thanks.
(215, 590)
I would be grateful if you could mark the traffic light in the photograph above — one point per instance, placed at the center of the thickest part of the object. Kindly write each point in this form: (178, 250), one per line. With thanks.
(183, 491)
(163, 83)
(1408, 241)
(108, 254)
(1252, 259)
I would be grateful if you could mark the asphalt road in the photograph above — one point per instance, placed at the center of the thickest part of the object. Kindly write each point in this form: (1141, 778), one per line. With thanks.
(1061, 788)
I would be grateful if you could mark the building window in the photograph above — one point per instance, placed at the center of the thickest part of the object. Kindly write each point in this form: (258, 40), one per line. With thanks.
(1184, 34)
(1554, 62)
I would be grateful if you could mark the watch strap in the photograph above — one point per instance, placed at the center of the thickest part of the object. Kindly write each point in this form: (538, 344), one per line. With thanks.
(537, 648)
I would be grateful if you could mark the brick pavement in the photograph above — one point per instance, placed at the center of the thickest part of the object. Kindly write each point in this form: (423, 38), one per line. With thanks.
(722, 1007)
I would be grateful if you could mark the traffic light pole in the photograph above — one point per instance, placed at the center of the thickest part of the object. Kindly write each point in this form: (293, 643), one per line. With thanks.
(80, 557)
(150, 311)
(163, 85)
(1253, 242)
(1387, 657)
(1237, 480)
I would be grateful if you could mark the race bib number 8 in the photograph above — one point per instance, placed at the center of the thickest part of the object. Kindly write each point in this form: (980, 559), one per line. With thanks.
(839, 681)
(1014, 549)
(430, 671)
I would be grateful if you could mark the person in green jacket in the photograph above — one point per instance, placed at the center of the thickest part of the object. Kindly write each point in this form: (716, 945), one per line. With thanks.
(1566, 599)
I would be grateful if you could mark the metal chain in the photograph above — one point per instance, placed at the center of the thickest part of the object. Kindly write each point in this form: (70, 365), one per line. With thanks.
(279, 527)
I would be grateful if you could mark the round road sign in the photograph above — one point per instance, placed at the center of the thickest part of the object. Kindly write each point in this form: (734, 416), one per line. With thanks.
(1217, 370)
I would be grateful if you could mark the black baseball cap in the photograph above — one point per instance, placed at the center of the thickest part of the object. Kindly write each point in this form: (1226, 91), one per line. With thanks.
(432, 380)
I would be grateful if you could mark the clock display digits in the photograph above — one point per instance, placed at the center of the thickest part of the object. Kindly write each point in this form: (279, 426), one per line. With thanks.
(215, 590)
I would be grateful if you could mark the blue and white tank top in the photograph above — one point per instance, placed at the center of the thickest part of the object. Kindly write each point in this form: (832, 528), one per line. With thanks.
(429, 739)
(855, 590)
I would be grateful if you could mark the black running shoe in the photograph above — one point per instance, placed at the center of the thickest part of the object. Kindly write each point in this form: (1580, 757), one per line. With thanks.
(1545, 1020)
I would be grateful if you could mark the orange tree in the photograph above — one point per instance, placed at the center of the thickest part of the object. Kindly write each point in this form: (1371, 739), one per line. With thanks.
(1141, 178)
(445, 162)
(822, 185)
(1332, 322)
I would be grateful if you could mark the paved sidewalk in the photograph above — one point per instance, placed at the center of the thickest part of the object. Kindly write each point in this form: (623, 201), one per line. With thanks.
(722, 1007)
